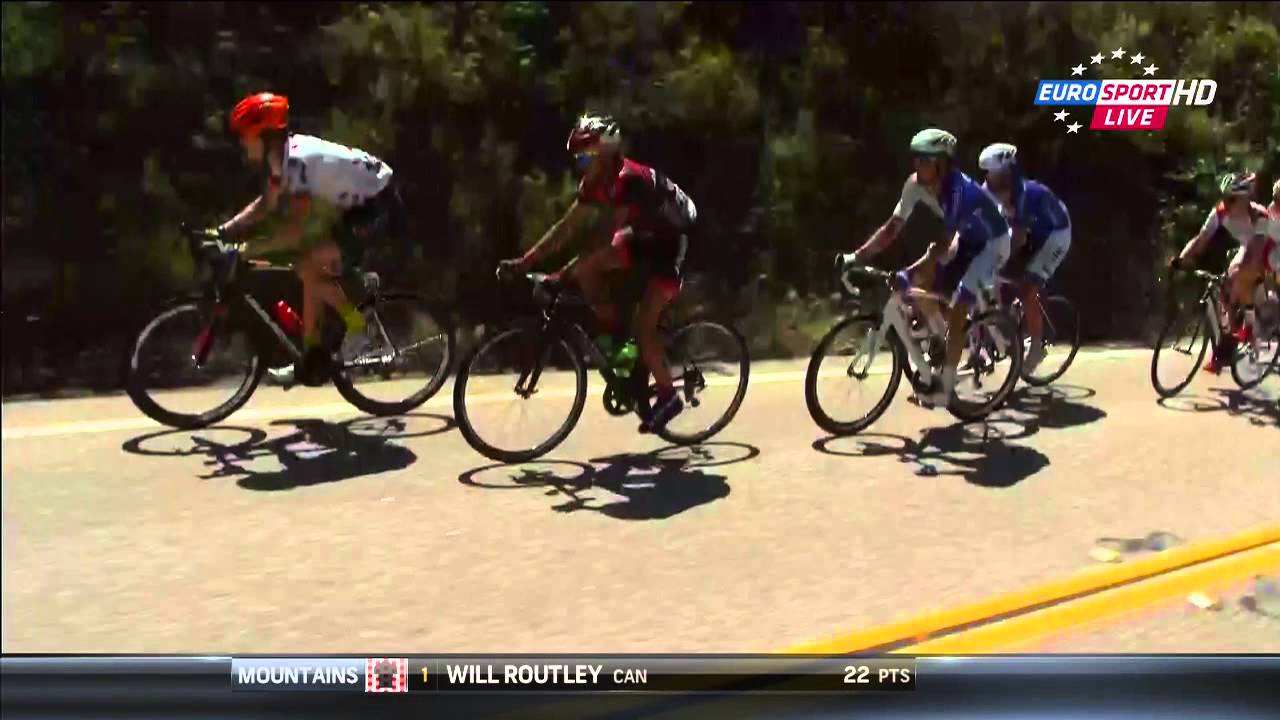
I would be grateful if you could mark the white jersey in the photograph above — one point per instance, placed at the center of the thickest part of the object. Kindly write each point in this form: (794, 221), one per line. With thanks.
(344, 176)
(1242, 230)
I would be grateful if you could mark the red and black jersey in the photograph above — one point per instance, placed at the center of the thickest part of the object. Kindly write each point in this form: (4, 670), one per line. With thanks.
(652, 200)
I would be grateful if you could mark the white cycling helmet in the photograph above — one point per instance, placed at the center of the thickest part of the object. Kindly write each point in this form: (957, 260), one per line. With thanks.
(998, 156)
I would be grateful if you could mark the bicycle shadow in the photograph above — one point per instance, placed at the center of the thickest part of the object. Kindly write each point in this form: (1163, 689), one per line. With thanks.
(318, 452)
(1258, 406)
(979, 452)
(1055, 407)
(654, 485)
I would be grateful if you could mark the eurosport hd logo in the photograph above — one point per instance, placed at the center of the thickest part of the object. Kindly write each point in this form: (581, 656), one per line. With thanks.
(1122, 104)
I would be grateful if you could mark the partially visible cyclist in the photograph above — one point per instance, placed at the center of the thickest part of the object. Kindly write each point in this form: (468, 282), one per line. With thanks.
(651, 222)
(972, 222)
(359, 203)
(1041, 234)
(1249, 225)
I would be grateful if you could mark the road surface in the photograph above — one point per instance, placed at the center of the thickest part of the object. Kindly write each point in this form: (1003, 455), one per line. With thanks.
(298, 526)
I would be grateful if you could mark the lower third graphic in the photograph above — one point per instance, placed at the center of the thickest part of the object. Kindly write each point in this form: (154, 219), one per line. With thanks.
(389, 675)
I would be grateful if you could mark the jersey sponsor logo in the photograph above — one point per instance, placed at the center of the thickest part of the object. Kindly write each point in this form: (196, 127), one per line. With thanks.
(1122, 103)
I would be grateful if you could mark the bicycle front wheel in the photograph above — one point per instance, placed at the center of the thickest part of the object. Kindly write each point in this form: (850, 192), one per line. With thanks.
(401, 361)
(513, 388)
(1061, 325)
(1176, 359)
(710, 367)
(191, 367)
(851, 378)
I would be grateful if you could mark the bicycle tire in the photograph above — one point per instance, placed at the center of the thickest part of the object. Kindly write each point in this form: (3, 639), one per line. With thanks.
(346, 386)
(819, 415)
(1014, 330)
(463, 418)
(1041, 381)
(1176, 321)
(1271, 367)
(735, 404)
(137, 391)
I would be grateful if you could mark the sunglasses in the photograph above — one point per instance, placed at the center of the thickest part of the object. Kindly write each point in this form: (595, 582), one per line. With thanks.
(584, 158)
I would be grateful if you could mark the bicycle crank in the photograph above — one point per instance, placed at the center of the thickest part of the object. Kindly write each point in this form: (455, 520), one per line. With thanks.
(618, 404)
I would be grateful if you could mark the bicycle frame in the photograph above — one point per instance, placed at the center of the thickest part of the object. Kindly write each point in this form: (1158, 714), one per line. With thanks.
(894, 315)
(228, 294)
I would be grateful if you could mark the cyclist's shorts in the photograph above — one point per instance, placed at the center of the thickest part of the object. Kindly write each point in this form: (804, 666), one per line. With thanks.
(1038, 261)
(378, 221)
(660, 255)
(972, 268)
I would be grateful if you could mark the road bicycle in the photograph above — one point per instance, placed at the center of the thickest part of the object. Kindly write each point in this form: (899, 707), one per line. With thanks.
(1201, 323)
(201, 357)
(1061, 330)
(537, 366)
(884, 344)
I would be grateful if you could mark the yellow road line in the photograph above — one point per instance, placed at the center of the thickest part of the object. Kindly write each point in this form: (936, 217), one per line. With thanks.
(1089, 581)
(1092, 595)
(1028, 629)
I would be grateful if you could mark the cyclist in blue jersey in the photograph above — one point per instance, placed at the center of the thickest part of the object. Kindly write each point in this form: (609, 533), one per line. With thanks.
(1041, 233)
(974, 246)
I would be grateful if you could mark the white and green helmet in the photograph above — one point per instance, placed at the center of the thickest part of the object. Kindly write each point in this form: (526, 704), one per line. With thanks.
(1236, 183)
(933, 141)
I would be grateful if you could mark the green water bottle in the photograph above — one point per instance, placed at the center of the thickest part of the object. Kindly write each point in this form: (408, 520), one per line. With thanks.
(624, 361)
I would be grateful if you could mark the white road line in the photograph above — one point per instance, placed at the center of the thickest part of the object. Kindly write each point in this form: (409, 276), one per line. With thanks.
(444, 399)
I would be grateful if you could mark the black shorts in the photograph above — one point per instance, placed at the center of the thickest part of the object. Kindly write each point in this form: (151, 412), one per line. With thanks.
(378, 222)
(659, 254)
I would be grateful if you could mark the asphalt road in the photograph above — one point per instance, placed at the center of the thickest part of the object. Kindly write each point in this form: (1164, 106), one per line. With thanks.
(298, 526)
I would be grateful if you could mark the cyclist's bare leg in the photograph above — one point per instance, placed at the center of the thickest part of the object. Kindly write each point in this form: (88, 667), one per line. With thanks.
(589, 274)
(1032, 312)
(656, 297)
(923, 274)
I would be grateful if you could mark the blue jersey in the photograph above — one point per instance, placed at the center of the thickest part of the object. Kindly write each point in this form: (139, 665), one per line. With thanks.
(964, 206)
(1037, 209)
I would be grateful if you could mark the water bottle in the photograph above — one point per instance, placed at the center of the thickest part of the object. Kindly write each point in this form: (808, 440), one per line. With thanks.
(288, 319)
(624, 361)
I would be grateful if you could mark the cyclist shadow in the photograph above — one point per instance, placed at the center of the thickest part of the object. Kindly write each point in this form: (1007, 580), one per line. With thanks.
(1258, 406)
(979, 452)
(318, 452)
(655, 485)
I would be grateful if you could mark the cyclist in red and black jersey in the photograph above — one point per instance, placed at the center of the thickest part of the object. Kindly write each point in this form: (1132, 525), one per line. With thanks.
(652, 219)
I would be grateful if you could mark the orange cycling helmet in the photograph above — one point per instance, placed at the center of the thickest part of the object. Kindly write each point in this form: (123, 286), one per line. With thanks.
(258, 112)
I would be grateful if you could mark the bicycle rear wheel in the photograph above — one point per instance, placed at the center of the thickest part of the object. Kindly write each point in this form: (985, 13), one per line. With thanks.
(404, 360)
(710, 367)
(989, 368)
(845, 367)
(1176, 360)
(1061, 325)
(513, 387)
(191, 367)
(1256, 359)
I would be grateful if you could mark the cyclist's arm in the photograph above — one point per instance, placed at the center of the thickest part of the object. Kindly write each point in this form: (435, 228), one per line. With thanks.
(254, 212)
(939, 250)
(1192, 249)
(554, 237)
(290, 234)
(883, 237)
